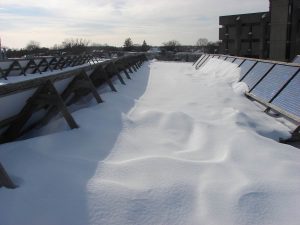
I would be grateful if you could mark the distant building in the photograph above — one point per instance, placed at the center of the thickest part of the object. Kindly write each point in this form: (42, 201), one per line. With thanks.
(245, 35)
(274, 34)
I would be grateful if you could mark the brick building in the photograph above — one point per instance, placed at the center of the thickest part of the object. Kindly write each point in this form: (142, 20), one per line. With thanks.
(274, 34)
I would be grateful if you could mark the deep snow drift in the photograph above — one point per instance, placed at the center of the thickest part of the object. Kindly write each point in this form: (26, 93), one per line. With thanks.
(173, 146)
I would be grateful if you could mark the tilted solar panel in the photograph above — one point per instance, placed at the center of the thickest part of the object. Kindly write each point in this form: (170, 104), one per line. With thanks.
(206, 61)
(256, 73)
(274, 81)
(200, 60)
(238, 61)
(230, 59)
(246, 66)
(222, 57)
(296, 59)
(289, 98)
(201, 57)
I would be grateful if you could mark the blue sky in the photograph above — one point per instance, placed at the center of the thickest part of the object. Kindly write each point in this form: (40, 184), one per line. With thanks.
(103, 21)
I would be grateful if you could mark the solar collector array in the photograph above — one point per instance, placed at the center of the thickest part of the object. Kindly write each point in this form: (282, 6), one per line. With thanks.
(277, 85)
(230, 59)
(274, 81)
(289, 98)
(259, 70)
(245, 67)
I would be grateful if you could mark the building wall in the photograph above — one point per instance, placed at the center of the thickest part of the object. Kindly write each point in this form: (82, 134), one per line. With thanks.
(274, 34)
(285, 29)
(279, 10)
(295, 30)
(245, 35)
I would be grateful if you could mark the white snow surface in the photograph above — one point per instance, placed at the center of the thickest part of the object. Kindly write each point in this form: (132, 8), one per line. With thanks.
(174, 146)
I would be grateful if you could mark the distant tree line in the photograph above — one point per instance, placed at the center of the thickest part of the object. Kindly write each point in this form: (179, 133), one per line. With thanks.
(83, 46)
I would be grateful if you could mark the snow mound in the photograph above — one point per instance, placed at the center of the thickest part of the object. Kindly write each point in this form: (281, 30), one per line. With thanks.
(174, 146)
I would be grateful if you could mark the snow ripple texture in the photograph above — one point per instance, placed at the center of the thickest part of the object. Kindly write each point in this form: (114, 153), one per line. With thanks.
(175, 146)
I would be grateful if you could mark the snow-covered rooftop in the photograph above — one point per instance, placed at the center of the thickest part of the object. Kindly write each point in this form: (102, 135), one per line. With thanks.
(174, 146)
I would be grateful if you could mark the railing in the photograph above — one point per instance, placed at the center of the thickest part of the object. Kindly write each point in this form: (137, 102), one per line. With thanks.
(276, 85)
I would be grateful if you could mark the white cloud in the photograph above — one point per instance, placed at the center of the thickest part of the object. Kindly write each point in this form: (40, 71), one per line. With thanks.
(111, 21)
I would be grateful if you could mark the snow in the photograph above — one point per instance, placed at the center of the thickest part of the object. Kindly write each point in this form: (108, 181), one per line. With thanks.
(174, 146)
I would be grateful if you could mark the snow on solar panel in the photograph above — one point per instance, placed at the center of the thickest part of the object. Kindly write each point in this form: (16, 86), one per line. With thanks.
(222, 57)
(201, 57)
(230, 59)
(204, 61)
(289, 98)
(201, 61)
(238, 61)
(245, 67)
(296, 59)
(274, 81)
(256, 73)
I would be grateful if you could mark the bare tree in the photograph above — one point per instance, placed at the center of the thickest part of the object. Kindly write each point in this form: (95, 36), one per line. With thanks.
(32, 45)
(75, 45)
(201, 42)
(171, 45)
(75, 42)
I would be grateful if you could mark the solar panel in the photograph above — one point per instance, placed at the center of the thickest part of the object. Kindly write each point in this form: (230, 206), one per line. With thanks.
(230, 59)
(256, 73)
(296, 59)
(222, 57)
(289, 98)
(274, 81)
(204, 61)
(201, 61)
(246, 66)
(201, 57)
(238, 61)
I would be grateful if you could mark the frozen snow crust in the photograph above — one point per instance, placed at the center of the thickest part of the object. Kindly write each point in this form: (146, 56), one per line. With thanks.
(174, 146)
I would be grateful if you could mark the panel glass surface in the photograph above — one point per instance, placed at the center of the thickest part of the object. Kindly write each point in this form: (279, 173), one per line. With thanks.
(296, 59)
(204, 62)
(289, 98)
(238, 61)
(222, 57)
(230, 59)
(203, 57)
(257, 73)
(274, 81)
(245, 67)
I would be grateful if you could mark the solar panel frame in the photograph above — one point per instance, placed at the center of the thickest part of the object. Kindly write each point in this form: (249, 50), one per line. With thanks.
(257, 73)
(271, 84)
